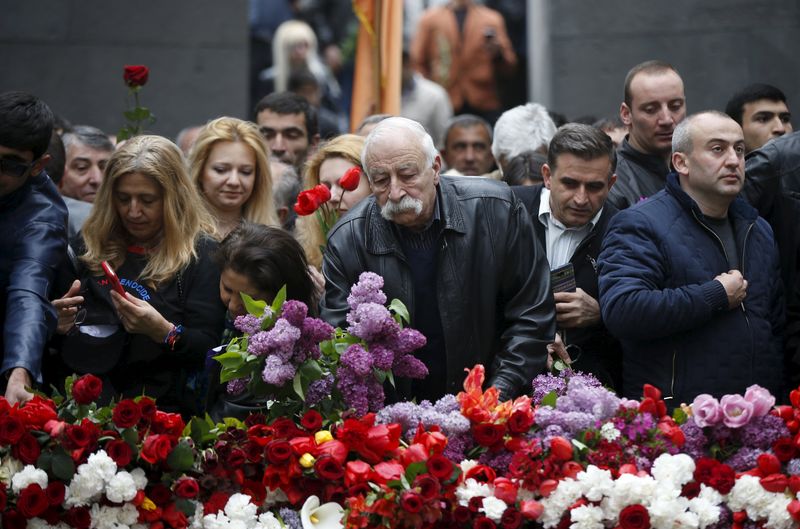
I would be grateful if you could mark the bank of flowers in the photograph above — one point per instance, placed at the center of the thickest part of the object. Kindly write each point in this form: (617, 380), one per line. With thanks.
(570, 455)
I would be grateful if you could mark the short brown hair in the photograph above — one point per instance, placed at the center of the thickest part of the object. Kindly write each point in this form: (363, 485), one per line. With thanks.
(648, 67)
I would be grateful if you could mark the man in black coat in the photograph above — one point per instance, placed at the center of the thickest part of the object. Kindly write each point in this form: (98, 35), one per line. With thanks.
(570, 215)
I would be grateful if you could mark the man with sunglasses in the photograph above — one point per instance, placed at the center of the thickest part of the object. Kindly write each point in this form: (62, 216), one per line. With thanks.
(33, 238)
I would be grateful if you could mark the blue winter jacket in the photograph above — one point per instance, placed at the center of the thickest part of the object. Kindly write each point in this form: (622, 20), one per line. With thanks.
(659, 297)
(33, 242)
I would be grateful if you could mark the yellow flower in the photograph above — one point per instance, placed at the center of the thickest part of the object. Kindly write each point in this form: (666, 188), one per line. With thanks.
(323, 436)
(307, 460)
(148, 504)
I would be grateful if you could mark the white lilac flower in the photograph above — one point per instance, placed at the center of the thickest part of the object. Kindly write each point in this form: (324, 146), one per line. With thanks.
(139, 478)
(268, 520)
(28, 475)
(100, 465)
(471, 488)
(596, 482)
(316, 516)
(239, 507)
(8, 468)
(493, 508)
(586, 517)
(676, 469)
(609, 432)
(121, 488)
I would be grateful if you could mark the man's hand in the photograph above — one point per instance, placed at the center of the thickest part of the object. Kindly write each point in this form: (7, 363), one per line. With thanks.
(556, 350)
(67, 307)
(735, 287)
(576, 309)
(17, 382)
(140, 317)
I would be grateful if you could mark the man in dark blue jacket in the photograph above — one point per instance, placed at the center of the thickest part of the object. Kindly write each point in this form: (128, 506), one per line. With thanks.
(33, 236)
(689, 279)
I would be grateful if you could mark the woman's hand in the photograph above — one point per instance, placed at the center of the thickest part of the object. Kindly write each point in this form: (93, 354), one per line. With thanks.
(139, 317)
(67, 307)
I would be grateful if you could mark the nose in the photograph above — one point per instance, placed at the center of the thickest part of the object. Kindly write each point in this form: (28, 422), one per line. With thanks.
(733, 157)
(235, 305)
(779, 126)
(278, 143)
(396, 190)
(581, 198)
(665, 116)
(95, 176)
(469, 154)
(135, 209)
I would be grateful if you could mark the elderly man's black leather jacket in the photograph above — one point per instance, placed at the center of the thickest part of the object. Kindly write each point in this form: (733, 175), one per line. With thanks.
(493, 279)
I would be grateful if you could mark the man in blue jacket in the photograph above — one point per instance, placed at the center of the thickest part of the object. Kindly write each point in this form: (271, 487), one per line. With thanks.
(689, 279)
(33, 237)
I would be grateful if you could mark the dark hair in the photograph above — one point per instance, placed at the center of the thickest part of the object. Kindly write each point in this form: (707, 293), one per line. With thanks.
(91, 137)
(26, 123)
(465, 121)
(525, 166)
(609, 123)
(748, 94)
(300, 78)
(270, 258)
(372, 119)
(584, 141)
(648, 67)
(58, 158)
(291, 103)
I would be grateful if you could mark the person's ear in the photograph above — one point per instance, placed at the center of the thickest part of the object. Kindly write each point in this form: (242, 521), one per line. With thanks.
(680, 162)
(40, 164)
(283, 213)
(547, 176)
(625, 114)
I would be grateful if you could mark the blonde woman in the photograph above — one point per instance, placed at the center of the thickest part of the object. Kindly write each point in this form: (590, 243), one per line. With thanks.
(150, 224)
(327, 166)
(230, 166)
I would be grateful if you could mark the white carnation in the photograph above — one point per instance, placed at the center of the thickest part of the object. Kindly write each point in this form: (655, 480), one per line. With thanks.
(239, 507)
(121, 488)
(609, 432)
(268, 521)
(596, 483)
(778, 516)
(83, 489)
(216, 521)
(128, 514)
(274, 497)
(493, 508)
(467, 465)
(471, 488)
(675, 469)
(100, 465)
(567, 493)
(139, 478)
(8, 468)
(197, 518)
(27, 476)
(586, 517)
(104, 517)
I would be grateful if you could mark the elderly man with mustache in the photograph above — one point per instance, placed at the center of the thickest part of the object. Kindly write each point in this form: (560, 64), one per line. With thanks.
(459, 252)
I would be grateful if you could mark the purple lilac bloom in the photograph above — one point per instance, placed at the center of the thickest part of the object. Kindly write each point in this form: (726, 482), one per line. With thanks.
(793, 467)
(357, 359)
(585, 397)
(247, 324)
(237, 386)
(409, 340)
(291, 518)
(382, 357)
(354, 391)
(499, 460)
(762, 432)
(447, 404)
(276, 371)
(744, 459)
(545, 384)
(410, 367)
(696, 440)
(457, 447)
(314, 332)
(375, 394)
(367, 290)
(281, 339)
(371, 322)
(570, 422)
(294, 312)
(319, 389)
(406, 414)
(257, 344)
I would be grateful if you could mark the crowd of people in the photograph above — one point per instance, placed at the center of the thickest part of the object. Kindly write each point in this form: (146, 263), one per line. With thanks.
(633, 248)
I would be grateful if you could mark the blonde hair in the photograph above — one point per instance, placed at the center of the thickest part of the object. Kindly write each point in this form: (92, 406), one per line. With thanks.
(307, 228)
(259, 208)
(185, 217)
(288, 34)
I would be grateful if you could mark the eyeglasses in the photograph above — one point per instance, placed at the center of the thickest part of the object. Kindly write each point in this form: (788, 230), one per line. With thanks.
(14, 168)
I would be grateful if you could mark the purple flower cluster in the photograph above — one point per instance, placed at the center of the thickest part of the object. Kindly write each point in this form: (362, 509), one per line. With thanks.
(291, 518)
(367, 290)
(319, 389)
(545, 384)
(247, 324)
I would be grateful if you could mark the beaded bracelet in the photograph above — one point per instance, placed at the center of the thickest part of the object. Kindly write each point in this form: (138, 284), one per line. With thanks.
(172, 336)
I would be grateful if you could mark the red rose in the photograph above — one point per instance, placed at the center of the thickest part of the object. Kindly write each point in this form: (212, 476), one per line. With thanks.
(13, 519)
(147, 406)
(462, 515)
(168, 423)
(160, 494)
(440, 467)
(351, 178)
(411, 502)
(428, 486)
(55, 493)
(488, 434)
(481, 474)
(784, 449)
(174, 517)
(723, 478)
(511, 518)
(483, 522)
(120, 451)
(236, 458)
(135, 75)
(312, 420)
(278, 452)
(520, 421)
(11, 430)
(356, 472)
(560, 448)
(37, 412)
(77, 436)
(156, 448)
(634, 517)
(32, 501)
(187, 488)
(215, 503)
(27, 449)
(87, 389)
(768, 464)
(126, 414)
(328, 468)
(78, 517)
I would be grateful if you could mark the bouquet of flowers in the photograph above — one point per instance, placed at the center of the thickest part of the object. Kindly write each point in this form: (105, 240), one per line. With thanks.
(296, 362)
(316, 200)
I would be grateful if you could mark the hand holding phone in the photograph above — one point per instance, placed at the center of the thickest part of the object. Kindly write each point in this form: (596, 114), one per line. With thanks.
(112, 277)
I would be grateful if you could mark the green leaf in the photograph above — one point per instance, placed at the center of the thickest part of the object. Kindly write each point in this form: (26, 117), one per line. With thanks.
(254, 307)
(550, 399)
(63, 466)
(130, 436)
(185, 505)
(182, 457)
(45, 461)
(130, 115)
(280, 297)
(390, 376)
(579, 445)
(559, 365)
(399, 308)
(231, 360)
(297, 384)
(199, 430)
(414, 469)
(680, 416)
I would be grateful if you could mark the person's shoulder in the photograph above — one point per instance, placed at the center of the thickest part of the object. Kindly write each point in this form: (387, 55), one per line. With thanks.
(468, 187)
(355, 217)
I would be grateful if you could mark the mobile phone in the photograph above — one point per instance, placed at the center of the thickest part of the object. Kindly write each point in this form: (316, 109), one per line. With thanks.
(562, 279)
(112, 277)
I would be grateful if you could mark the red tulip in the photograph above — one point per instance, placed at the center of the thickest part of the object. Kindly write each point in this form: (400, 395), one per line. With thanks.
(351, 178)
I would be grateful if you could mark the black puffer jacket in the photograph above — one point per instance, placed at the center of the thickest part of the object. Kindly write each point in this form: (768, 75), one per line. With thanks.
(33, 242)
(639, 176)
(493, 279)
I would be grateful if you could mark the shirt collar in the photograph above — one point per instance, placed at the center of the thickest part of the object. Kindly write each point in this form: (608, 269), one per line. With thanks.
(546, 216)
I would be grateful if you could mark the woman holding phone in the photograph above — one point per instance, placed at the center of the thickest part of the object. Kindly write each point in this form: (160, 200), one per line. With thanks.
(150, 226)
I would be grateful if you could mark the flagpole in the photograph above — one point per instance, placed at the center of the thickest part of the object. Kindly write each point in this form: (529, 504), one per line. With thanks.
(377, 71)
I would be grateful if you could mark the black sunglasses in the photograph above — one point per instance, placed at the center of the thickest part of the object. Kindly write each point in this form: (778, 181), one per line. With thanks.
(14, 168)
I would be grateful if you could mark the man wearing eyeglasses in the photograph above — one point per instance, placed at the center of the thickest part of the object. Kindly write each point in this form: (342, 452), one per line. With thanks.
(33, 238)
(459, 252)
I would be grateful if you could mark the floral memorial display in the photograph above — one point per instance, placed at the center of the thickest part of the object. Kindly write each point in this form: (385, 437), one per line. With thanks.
(325, 452)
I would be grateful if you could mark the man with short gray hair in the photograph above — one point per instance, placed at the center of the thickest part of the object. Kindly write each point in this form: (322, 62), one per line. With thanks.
(88, 150)
(521, 129)
(459, 252)
(689, 279)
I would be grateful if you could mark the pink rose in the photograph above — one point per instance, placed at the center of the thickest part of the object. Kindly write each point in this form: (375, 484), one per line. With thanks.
(736, 411)
(761, 399)
(706, 410)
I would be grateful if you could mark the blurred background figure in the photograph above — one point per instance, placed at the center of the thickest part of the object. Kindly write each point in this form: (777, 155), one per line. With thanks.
(524, 128)
(424, 101)
(614, 127)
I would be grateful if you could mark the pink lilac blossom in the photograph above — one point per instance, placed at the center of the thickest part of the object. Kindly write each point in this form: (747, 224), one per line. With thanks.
(247, 324)
(367, 290)
(294, 312)
(371, 322)
(358, 360)
(276, 371)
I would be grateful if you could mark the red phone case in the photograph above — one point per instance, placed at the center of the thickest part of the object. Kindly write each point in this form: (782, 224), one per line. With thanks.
(112, 276)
